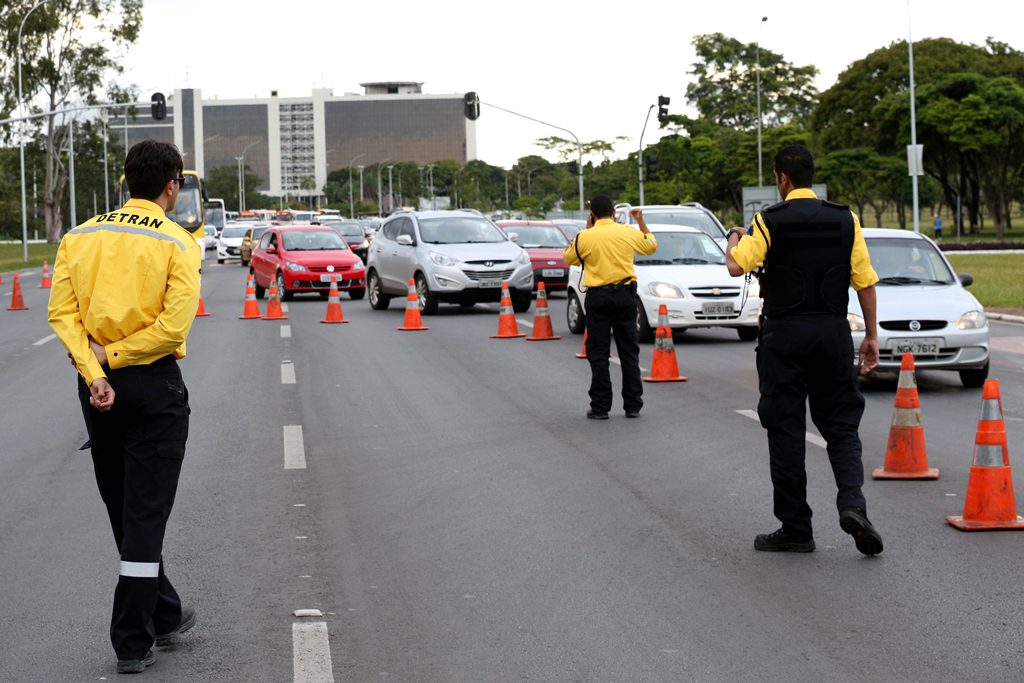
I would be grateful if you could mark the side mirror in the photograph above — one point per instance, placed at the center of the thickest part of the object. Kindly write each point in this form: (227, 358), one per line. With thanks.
(404, 240)
(271, 250)
(966, 279)
(514, 236)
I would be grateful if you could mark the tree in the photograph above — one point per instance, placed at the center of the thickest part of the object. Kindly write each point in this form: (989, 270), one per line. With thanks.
(68, 48)
(222, 182)
(725, 91)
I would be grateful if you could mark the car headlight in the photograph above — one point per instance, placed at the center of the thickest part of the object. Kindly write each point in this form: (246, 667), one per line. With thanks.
(443, 259)
(972, 320)
(664, 290)
(358, 265)
(856, 322)
(295, 267)
(523, 258)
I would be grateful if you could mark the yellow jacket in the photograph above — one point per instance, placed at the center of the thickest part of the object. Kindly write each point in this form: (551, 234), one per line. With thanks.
(607, 249)
(129, 280)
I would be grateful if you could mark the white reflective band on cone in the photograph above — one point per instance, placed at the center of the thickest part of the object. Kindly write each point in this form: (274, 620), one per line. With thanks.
(906, 417)
(990, 410)
(142, 570)
(907, 380)
(988, 456)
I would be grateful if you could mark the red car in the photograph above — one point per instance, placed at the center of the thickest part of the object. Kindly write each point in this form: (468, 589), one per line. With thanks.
(544, 242)
(305, 259)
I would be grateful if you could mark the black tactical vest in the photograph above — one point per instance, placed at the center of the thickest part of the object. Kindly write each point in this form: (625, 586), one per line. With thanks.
(807, 269)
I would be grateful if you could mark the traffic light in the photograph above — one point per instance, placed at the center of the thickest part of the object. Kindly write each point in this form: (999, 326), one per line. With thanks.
(663, 108)
(651, 163)
(472, 104)
(158, 106)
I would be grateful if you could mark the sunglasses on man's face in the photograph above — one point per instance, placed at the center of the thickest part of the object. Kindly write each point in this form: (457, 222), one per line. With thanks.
(180, 180)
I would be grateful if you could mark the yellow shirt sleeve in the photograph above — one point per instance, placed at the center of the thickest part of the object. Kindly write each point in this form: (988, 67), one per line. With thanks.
(646, 244)
(569, 255)
(172, 325)
(752, 249)
(66, 320)
(862, 275)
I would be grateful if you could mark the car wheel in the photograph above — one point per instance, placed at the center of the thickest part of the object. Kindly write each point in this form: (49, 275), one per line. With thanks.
(260, 291)
(220, 260)
(747, 333)
(282, 290)
(521, 301)
(974, 378)
(645, 333)
(575, 319)
(357, 294)
(379, 301)
(428, 302)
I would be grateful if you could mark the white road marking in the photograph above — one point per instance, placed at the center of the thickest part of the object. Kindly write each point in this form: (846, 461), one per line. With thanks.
(811, 438)
(286, 331)
(614, 359)
(523, 322)
(311, 653)
(294, 451)
(287, 372)
(284, 308)
(44, 340)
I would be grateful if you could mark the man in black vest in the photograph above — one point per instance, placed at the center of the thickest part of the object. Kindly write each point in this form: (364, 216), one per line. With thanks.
(812, 252)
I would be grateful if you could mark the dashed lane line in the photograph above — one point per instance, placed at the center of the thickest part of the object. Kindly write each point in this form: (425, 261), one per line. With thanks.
(49, 337)
(294, 450)
(286, 331)
(811, 438)
(287, 372)
(311, 653)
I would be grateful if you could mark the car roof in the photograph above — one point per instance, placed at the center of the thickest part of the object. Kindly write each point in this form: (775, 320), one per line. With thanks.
(668, 227)
(454, 213)
(893, 233)
(304, 228)
(520, 223)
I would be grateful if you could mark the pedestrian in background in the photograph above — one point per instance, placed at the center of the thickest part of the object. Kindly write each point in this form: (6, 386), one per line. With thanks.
(812, 251)
(605, 249)
(937, 226)
(124, 295)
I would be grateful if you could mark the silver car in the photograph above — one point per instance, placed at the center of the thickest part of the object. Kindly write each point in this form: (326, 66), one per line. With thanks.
(923, 308)
(453, 256)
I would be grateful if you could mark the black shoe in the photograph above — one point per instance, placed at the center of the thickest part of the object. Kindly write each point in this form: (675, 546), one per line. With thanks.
(855, 522)
(632, 413)
(783, 542)
(188, 620)
(136, 666)
(593, 415)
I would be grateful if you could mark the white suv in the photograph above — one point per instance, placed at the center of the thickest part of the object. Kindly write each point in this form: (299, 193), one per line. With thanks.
(454, 256)
(692, 214)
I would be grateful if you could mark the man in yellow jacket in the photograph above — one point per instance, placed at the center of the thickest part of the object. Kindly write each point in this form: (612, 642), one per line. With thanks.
(605, 249)
(125, 292)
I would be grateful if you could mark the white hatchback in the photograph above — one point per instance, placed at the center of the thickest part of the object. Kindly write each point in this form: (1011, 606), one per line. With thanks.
(687, 273)
(923, 308)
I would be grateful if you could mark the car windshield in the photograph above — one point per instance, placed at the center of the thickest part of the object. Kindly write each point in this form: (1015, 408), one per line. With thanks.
(459, 230)
(691, 219)
(312, 240)
(908, 262)
(537, 236)
(683, 248)
(233, 231)
(348, 230)
(257, 233)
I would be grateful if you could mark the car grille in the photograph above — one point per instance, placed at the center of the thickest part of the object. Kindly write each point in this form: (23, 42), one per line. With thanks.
(721, 316)
(316, 284)
(477, 275)
(904, 325)
(323, 269)
(714, 293)
(233, 250)
(487, 263)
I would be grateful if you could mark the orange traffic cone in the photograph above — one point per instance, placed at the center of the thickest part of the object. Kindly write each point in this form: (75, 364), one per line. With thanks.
(274, 311)
(905, 455)
(252, 307)
(989, 503)
(201, 313)
(664, 367)
(583, 351)
(334, 313)
(45, 282)
(507, 327)
(412, 321)
(17, 304)
(542, 330)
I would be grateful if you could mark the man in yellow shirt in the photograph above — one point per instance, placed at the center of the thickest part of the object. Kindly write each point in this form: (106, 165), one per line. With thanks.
(124, 295)
(813, 252)
(605, 249)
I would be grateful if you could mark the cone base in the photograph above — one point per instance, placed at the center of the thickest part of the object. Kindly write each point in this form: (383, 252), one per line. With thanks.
(250, 317)
(334, 322)
(966, 525)
(581, 355)
(17, 308)
(882, 473)
(274, 317)
(541, 338)
(412, 329)
(203, 315)
(666, 379)
(507, 336)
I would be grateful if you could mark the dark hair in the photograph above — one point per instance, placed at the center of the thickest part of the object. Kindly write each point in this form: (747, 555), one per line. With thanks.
(602, 206)
(149, 166)
(796, 162)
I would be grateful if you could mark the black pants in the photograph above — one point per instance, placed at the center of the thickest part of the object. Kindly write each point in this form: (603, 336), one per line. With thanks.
(612, 310)
(803, 357)
(137, 451)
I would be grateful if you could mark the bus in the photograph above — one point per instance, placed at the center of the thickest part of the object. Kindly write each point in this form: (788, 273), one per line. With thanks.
(188, 210)
(216, 214)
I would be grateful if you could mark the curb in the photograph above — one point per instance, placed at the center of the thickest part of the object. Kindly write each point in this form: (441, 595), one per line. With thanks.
(1005, 317)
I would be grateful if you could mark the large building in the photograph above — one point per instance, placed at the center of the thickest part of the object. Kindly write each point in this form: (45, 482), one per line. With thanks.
(288, 141)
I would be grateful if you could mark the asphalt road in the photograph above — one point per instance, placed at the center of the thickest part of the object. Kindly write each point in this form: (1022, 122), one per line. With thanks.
(458, 519)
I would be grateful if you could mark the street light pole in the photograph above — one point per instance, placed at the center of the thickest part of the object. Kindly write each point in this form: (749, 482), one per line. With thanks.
(913, 128)
(380, 194)
(640, 155)
(21, 141)
(391, 195)
(757, 60)
(351, 206)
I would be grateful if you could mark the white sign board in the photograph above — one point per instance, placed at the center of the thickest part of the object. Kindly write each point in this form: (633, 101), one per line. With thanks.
(915, 160)
(758, 198)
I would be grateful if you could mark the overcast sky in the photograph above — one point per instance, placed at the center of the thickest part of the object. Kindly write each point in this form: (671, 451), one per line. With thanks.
(591, 67)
